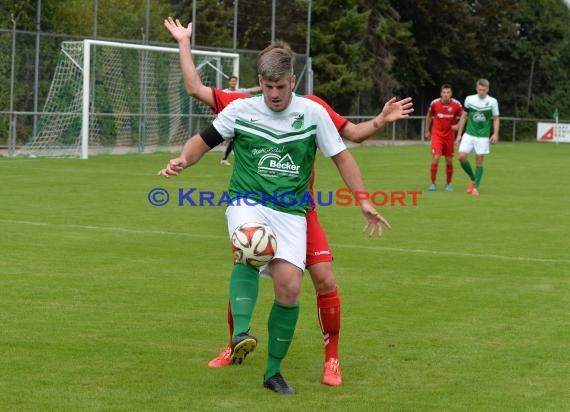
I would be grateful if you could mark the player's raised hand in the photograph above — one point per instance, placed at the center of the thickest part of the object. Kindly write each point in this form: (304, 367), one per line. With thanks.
(395, 110)
(178, 31)
(374, 220)
(174, 168)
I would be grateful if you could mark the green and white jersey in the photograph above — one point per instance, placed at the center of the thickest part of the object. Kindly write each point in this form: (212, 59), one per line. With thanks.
(275, 151)
(480, 114)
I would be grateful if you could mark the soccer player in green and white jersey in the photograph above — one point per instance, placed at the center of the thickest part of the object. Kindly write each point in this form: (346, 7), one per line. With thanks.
(319, 256)
(275, 137)
(481, 112)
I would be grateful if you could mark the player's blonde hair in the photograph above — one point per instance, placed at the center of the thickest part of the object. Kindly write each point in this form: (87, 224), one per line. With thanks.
(275, 61)
(482, 82)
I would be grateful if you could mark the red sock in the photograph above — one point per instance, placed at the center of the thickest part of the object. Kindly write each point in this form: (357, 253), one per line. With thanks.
(449, 172)
(230, 321)
(328, 307)
(433, 170)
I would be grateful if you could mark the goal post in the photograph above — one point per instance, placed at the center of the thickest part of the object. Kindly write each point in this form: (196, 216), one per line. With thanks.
(112, 97)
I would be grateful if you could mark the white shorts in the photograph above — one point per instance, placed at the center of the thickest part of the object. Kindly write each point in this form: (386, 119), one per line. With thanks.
(480, 145)
(290, 230)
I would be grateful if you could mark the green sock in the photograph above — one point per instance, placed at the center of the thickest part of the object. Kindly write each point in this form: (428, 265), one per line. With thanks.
(281, 327)
(478, 175)
(244, 288)
(467, 167)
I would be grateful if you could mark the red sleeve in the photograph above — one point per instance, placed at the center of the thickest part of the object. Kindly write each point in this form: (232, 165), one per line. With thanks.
(459, 109)
(222, 99)
(339, 121)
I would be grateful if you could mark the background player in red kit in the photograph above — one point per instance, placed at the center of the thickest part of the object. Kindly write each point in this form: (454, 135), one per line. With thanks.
(444, 112)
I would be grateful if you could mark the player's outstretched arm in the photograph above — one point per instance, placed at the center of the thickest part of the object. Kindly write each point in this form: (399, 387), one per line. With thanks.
(192, 81)
(350, 173)
(393, 110)
(192, 152)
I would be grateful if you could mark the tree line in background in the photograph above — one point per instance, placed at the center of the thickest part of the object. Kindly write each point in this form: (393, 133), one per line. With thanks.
(411, 47)
(363, 51)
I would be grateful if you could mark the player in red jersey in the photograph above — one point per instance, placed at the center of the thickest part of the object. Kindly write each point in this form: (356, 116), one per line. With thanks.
(444, 111)
(319, 256)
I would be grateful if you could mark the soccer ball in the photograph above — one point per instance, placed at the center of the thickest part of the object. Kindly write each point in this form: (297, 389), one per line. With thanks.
(254, 244)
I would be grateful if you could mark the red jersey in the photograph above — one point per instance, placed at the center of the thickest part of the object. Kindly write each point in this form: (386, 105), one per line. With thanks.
(444, 116)
(222, 99)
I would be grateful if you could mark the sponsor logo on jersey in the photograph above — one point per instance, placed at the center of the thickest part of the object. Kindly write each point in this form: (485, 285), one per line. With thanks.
(271, 164)
(479, 117)
(298, 119)
(266, 150)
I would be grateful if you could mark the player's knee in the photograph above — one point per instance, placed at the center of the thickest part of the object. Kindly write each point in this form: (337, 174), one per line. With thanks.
(287, 293)
(326, 285)
(322, 277)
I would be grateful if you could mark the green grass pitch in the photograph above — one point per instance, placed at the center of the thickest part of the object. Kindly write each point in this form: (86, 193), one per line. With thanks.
(109, 303)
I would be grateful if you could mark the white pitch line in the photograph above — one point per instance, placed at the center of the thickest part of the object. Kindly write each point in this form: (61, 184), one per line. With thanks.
(341, 245)
(115, 229)
(451, 253)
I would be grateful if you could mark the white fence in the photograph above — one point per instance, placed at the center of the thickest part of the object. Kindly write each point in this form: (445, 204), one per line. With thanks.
(513, 129)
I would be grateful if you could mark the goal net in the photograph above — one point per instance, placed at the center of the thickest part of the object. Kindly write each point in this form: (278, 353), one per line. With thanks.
(109, 97)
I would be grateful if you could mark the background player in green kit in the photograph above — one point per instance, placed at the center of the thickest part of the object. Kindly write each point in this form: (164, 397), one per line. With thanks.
(481, 112)
(275, 136)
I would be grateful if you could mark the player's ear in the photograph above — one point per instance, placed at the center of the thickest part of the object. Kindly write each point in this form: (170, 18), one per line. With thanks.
(260, 80)
(293, 81)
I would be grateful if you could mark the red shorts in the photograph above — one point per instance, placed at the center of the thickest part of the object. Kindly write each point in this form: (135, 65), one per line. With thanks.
(318, 249)
(442, 147)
